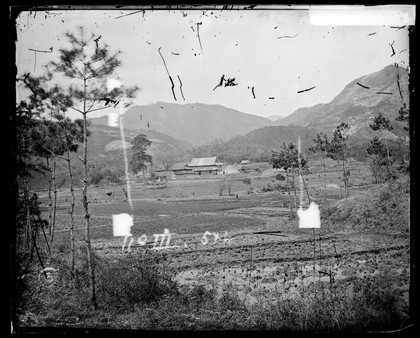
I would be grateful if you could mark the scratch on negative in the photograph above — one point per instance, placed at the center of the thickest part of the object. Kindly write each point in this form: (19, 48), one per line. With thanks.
(305, 90)
(392, 47)
(121, 16)
(287, 36)
(399, 88)
(398, 28)
(170, 78)
(198, 35)
(180, 87)
(362, 85)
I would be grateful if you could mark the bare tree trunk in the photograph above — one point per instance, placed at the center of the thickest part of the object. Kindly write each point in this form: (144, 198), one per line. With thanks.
(49, 197)
(71, 212)
(28, 229)
(86, 208)
(344, 179)
(325, 179)
(374, 172)
(54, 187)
(306, 188)
(294, 187)
(339, 179)
(389, 160)
(73, 201)
(144, 177)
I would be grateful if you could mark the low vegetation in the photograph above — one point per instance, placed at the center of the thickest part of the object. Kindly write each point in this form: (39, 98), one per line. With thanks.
(82, 278)
(138, 293)
(383, 208)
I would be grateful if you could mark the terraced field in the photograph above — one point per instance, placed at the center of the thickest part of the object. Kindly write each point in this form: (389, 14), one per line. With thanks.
(220, 241)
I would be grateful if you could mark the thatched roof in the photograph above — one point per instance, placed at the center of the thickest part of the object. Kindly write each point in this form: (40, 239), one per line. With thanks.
(202, 161)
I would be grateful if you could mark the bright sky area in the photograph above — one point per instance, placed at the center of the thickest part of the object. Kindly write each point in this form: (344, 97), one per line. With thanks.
(278, 52)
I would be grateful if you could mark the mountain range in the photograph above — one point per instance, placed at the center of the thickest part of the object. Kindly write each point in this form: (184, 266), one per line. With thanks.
(383, 92)
(196, 123)
(181, 131)
(257, 145)
(215, 130)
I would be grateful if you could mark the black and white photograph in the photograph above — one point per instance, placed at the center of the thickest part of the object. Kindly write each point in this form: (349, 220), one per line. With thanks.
(211, 168)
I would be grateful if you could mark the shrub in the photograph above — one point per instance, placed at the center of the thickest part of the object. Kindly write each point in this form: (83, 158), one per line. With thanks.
(132, 281)
(230, 300)
(247, 180)
(381, 208)
(280, 177)
(372, 308)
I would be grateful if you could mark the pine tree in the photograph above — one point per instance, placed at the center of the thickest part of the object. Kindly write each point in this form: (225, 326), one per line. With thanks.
(88, 64)
(377, 153)
(288, 159)
(73, 135)
(27, 118)
(337, 150)
(140, 158)
(380, 122)
(321, 146)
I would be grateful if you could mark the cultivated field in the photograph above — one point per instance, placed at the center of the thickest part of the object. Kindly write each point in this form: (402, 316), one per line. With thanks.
(235, 252)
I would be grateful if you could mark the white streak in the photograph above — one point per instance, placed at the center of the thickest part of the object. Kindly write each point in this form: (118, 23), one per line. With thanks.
(113, 119)
(309, 218)
(121, 225)
(390, 15)
(127, 178)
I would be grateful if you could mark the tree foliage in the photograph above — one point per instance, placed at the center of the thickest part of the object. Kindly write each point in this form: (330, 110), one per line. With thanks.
(140, 158)
(337, 147)
(165, 155)
(404, 116)
(321, 145)
(380, 122)
(287, 157)
(338, 151)
(27, 119)
(87, 64)
(379, 154)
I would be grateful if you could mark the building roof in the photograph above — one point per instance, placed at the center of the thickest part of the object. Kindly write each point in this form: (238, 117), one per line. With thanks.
(178, 166)
(202, 161)
(205, 168)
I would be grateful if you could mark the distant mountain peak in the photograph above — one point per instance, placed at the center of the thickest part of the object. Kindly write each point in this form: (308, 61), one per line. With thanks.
(383, 91)
(197, 123)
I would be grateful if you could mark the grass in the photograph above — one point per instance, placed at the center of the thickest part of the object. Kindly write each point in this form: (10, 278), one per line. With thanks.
(138, 293)
(382, 208)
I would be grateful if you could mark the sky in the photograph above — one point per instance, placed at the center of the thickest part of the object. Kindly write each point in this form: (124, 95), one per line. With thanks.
(279, 53)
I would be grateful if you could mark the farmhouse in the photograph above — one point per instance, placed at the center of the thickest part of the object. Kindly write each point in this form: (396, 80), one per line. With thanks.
(205, 165)
(164, 175)
(180, 169)
(230, 169)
